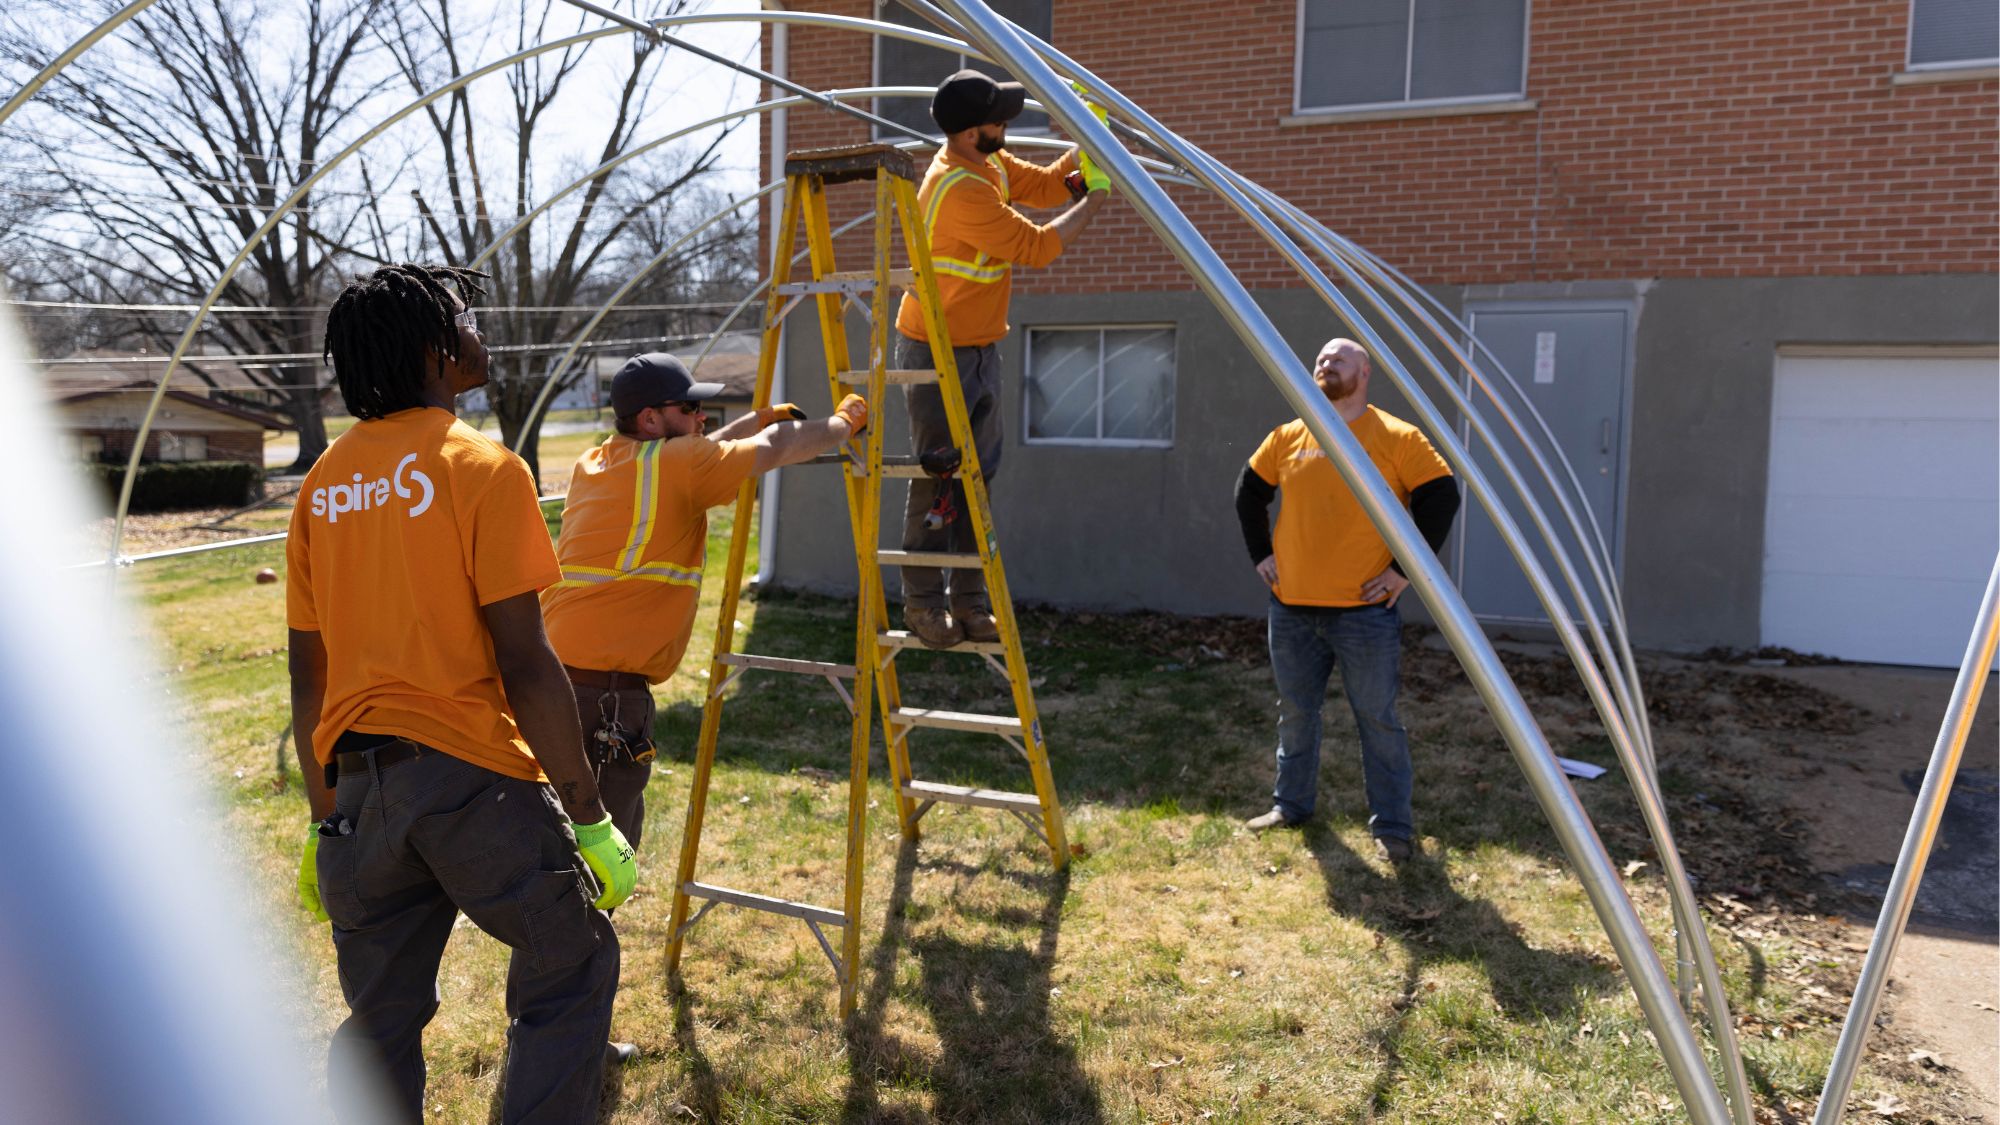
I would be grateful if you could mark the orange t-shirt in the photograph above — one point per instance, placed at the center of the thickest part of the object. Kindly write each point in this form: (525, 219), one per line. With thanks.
(402, 531)
(1325, 545)
(633, 541)
(977, 237)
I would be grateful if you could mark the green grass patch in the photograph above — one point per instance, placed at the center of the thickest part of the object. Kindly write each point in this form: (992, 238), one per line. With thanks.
(1181, 969)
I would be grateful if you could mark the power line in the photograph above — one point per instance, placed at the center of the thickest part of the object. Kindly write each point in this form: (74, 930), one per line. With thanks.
(286, 359)
(296, 310)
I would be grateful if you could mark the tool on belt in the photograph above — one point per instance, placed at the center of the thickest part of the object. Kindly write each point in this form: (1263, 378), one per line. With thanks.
(941, 463)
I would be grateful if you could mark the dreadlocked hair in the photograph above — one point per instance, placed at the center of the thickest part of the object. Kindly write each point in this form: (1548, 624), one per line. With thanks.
(383, 328)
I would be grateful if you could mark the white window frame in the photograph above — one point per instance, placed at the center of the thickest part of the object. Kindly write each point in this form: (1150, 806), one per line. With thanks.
(1913, 67)
(180, 445)
(964, 61)
(1300, 109)
(1100, 441)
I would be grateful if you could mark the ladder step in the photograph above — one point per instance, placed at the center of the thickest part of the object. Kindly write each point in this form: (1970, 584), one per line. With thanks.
(892, 378)
(964, 795)
(898, 638)
(853, 283)
(956, 720)
(903, 277)
(766, 903)
(953, 560)
(785, 664)
(899, 468)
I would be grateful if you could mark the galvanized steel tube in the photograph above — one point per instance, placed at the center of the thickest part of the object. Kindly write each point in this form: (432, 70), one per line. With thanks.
(1627, 934)
(1917, 842)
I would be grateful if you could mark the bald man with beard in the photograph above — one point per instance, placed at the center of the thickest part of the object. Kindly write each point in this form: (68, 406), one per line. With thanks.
(1334, 588)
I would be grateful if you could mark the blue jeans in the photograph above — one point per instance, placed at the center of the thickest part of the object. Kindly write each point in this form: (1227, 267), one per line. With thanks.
(1366, 642)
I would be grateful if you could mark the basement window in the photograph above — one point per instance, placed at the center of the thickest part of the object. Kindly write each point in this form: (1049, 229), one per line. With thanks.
(1107, 386)
(1947, 34)
(899, 62)
(1357, 55)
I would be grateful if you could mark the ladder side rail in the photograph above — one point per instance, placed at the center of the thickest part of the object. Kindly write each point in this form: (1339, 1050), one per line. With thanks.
(725, 621)
(833, 336)
(974, 480)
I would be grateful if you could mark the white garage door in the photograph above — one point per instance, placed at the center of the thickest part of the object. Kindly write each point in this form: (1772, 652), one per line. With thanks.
(1884, 508)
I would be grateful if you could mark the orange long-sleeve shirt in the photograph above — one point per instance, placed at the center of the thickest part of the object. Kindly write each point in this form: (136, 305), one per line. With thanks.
(977, 238)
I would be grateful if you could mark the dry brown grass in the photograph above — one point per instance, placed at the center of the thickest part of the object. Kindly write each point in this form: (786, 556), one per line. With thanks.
(1181, 970)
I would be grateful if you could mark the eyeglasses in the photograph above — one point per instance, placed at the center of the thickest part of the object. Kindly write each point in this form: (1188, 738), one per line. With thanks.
(683, 407)
(466, 319)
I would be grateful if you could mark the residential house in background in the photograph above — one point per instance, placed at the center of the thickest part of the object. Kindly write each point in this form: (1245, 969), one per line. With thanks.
(1742, 258)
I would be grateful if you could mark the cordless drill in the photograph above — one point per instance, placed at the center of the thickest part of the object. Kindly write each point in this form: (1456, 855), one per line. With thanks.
(941, 462)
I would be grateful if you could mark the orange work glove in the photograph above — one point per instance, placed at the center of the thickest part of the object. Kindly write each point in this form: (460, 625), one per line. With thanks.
(779, 412)
(854, 408)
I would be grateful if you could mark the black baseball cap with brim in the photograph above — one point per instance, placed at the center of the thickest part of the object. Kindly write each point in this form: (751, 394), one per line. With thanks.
(655, 378)
(969, 98)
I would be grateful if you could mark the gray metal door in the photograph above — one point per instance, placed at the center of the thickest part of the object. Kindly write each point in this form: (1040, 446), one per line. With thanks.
(1574, 362)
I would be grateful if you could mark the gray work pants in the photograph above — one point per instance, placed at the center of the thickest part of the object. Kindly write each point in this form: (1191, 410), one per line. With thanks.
(432, 836)
(621, 778)
(979, 379)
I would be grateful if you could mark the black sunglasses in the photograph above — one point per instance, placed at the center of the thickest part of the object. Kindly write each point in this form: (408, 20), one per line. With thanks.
(683, 407)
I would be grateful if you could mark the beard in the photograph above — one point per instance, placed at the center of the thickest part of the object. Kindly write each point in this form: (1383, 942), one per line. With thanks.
(987, 146)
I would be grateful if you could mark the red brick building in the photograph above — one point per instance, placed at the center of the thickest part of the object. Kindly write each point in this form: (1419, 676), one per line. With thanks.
(1742, 256)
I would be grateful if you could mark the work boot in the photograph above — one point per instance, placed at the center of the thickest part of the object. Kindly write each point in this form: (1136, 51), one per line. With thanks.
(978, 624)
(1273, 819)
(618, 1054)
(1395, 849)
(932, 625)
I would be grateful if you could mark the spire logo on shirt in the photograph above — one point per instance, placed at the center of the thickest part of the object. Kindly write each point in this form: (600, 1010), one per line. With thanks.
(336, 500)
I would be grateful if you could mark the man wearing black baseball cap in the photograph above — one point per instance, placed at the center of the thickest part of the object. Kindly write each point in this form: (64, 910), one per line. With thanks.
(977, 237)
(634, 531)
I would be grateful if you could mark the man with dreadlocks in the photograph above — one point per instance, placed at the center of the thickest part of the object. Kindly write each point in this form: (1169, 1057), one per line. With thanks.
(435, 727)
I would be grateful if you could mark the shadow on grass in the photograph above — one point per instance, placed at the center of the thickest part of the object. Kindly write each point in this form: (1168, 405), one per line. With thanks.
(998, 1058)
(1419, 909)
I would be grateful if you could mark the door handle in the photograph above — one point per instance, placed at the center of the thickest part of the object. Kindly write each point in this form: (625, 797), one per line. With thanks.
(1604, 439)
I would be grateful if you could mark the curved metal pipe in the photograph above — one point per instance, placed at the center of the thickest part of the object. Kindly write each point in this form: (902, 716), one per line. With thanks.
(271, 223)
(1915, 853)
(68, 56)
(1572, 826)
(552, 380)
(1644, 784)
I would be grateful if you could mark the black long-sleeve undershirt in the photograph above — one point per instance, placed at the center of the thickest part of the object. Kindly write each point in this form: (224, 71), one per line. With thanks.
(1433, 505)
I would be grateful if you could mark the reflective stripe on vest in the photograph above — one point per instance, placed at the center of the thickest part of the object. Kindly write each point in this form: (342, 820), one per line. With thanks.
(648, 572)
(645, 512)
(976, 270)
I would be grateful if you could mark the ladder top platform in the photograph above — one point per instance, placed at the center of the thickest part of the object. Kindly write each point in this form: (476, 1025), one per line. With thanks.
(850, 162)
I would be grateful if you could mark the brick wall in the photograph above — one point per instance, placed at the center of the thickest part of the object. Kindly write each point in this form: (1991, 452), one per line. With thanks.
(223, 445)
(1699, 138)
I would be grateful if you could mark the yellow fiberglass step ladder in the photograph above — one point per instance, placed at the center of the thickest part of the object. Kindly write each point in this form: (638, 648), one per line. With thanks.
(873, 672)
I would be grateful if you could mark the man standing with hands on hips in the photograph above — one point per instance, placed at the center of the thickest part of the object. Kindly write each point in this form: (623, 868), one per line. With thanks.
(967, 200)
(435, 728)
(633, 543)
(1334, 588)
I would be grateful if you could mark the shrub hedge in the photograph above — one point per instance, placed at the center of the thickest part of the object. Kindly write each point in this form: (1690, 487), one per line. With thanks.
(164, 486)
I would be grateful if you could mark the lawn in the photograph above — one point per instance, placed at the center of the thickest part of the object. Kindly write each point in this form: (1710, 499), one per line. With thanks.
(1181, 969)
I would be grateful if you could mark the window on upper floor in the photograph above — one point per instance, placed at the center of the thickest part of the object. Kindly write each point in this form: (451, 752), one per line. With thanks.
(1953, 33)
(1112, 385)
(902, 63)
(1371, 54)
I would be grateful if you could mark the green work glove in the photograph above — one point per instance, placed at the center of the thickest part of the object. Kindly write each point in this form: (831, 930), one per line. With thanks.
(610, 859)
(1094, 178)
(309, 875)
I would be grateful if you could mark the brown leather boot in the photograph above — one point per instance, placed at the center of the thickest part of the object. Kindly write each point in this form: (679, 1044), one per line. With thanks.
(932, 626)
(978, 623)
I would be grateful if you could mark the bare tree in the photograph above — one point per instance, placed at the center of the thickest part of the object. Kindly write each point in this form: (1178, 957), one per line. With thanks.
(170, 144)
(484, 168)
